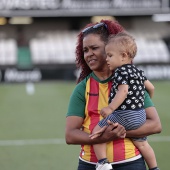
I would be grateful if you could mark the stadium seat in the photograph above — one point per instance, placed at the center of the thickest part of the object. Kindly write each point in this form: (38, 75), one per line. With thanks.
(53, 47)
(8, 51)
(58, 47)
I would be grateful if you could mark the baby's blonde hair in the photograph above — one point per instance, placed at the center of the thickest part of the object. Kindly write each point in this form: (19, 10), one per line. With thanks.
(126, 43)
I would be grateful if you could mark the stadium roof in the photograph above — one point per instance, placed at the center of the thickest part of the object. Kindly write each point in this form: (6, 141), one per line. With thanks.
(66, 8)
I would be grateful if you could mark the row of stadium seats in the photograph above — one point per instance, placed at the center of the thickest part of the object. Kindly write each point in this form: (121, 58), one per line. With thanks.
(151, 47)
(152, 51)
(58, 47)
(8, 52)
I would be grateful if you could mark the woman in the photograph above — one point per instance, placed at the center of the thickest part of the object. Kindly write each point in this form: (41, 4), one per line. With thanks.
(91, 95)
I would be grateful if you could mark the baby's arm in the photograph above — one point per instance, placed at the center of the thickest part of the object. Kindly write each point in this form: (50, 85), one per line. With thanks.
(149, 87)
(119, 97)
(117, 100)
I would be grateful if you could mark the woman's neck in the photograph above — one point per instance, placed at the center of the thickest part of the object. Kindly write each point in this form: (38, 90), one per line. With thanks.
(103, 75)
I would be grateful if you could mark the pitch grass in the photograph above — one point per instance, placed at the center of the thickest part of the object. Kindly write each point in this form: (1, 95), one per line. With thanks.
(42, 116)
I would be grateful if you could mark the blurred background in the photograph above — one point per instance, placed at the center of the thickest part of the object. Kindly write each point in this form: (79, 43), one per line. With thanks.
(38, 73)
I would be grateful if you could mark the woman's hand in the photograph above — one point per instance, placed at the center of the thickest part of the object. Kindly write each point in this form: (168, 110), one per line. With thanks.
(113, 131)
(97, 133)
(74, 134)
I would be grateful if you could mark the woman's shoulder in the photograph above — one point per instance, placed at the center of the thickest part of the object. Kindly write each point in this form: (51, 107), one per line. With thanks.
(82, 84)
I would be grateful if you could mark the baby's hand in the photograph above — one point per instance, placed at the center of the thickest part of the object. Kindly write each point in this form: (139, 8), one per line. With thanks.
(105, 112)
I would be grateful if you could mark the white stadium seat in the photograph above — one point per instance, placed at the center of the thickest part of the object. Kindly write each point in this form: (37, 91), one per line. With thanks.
(58, 47)
(8, 51)
(53, 47)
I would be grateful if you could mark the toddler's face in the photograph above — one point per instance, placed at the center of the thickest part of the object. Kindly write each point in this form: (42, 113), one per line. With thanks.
(114, 56)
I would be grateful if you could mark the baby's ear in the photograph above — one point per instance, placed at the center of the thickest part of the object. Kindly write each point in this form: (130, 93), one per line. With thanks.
(124, 55)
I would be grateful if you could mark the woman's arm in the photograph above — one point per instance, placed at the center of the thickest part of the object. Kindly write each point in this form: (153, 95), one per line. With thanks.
(74, 134)
(152, 125)
(149, 87)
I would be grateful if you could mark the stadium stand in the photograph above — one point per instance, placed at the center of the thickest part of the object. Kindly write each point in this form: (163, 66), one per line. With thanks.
(8, 51)
(152, 51)
(151, 48)
(53, 47)
(58, 47)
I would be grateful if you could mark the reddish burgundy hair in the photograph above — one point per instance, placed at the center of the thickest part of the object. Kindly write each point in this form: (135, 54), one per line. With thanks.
(113, 27)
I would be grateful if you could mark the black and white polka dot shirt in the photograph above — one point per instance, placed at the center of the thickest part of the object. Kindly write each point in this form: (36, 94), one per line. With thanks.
(134, 78)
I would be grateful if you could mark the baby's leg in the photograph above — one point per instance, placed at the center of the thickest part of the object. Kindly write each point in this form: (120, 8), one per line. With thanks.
(97, 131)
(147, 152)
(99, 149)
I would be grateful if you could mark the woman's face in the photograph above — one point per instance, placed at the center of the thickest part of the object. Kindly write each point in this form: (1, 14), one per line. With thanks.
(94, 52)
